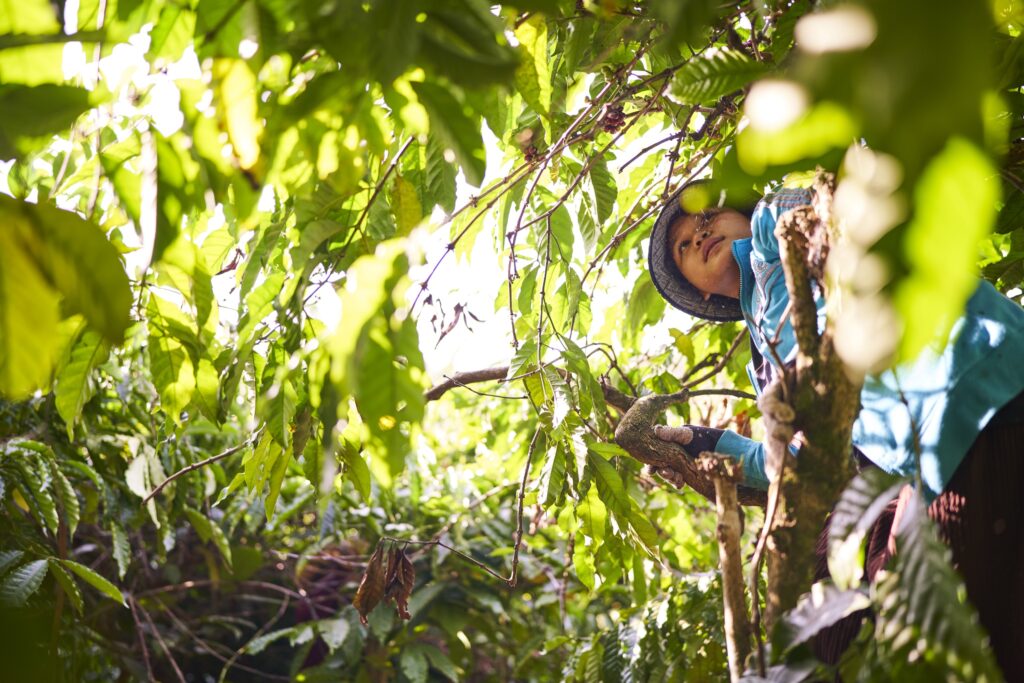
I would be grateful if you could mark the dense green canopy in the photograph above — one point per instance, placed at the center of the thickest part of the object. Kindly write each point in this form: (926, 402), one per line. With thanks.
(241, 239)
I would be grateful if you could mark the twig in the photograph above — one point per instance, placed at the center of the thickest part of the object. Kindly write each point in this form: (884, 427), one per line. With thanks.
(679, 135)
(514, 578)
(163, 645)
(142, 639)
(259, 632)
(719, 365)
(205, 645)
(461, 379)
(202, 463)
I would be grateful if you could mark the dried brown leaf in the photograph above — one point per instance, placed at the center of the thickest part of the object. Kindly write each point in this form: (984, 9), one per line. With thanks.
(372, 586)
(401, 589)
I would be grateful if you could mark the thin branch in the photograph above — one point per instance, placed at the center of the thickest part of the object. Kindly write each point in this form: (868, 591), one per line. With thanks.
(163, 645)
(514, 578)
(202, 463)
(259, 632)
(462, 379)
(679, 135)
(142, 639)
(208, 647)
(719, 365)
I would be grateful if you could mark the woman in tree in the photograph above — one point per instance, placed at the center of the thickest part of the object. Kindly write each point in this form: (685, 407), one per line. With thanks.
(957, 410)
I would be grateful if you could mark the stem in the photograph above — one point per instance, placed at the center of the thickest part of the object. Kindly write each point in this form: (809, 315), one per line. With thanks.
(202, 463)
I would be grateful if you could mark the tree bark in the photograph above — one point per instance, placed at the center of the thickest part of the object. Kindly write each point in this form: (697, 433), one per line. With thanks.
(824, 403)
(725, 473)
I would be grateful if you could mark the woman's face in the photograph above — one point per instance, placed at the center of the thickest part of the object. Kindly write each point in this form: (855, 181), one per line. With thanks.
(702, 249)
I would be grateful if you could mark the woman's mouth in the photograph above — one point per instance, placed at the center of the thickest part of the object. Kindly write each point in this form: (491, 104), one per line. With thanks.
(710, 244)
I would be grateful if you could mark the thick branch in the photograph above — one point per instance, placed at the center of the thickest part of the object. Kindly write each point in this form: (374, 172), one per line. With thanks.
(725, 473)
(823, 402)
(635, 431)
(612, 395)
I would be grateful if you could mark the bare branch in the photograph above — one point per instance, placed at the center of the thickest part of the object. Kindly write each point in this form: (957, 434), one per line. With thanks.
(202, 463)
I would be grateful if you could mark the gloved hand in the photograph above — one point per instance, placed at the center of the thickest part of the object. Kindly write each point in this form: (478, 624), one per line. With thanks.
(693, 438)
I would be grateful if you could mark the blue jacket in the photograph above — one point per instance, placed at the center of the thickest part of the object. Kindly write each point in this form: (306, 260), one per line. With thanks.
(937, 404)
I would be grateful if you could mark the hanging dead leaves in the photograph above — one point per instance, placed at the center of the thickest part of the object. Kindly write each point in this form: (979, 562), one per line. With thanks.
(394, 582)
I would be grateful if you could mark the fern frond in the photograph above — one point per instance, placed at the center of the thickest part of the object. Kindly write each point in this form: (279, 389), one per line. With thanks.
(925, 630)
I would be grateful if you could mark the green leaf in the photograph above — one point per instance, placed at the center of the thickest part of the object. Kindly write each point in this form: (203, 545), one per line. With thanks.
(606, 190)
(583, 562)
(66, 583)
(609, 485)
(209, 530)
(73, 388)
(355, 469)
(954, 205)
(715, 73)
(66, 495)
(552, 477)
(173, 374)
(29, 315)
(277, 407)
(206, 395)
(172, 33)
(95, 580)
(533, 76)
(593, 516)
(923, 628)
(645, 307)
(36, 112)
(257, 645)
(440, 661)
(455, 129)
(21, 583)
(35, 486)
(822, 607)
(859, 506)
(440, 177)
(414, 664)
(313, 234)
(78, 260)
(276, 478)
(8, 558)
(333, 631)
(122, 549)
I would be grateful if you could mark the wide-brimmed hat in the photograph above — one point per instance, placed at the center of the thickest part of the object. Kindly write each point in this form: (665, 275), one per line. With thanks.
(670, 282)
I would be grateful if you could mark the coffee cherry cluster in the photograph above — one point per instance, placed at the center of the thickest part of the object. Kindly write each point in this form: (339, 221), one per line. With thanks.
(531, 154)
(613, 118)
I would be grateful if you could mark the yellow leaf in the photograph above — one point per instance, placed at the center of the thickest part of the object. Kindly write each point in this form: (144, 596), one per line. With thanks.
(237, 94)
(405, 204)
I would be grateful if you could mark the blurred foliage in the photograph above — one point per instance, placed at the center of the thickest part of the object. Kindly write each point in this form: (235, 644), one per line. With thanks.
(193, 188)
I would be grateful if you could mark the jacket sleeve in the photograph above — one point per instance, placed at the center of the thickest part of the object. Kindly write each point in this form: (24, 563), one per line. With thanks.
(763, 242)
(748, 452)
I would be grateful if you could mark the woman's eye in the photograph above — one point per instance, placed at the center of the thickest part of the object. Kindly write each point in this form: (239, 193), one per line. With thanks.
(683, 245)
